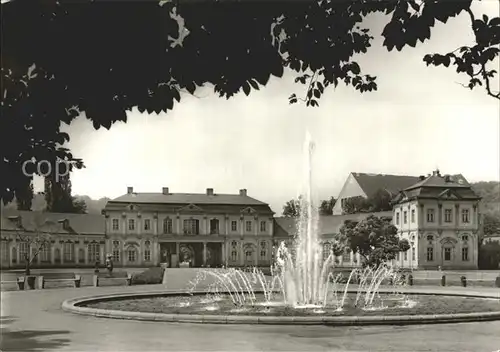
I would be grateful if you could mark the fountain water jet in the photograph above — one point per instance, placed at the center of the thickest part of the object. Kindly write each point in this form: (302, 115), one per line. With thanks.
(302, 276)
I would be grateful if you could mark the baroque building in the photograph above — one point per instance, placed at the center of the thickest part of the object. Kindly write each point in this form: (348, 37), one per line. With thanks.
(188, 229)
(440, 217)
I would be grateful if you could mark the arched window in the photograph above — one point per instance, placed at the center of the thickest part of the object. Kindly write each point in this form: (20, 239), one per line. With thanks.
(45, 253)
(214, 226)
(68, 252)
(23, 251)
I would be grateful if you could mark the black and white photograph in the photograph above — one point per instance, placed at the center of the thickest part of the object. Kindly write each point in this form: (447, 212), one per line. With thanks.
(250, 175)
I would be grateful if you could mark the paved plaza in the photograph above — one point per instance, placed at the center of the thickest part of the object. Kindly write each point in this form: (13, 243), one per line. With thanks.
(34, 321)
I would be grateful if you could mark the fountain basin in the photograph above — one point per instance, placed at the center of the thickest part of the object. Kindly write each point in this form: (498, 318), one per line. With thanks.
(486, 307)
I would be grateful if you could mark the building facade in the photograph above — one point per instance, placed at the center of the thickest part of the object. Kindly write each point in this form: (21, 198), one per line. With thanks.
(440, 217)
(69, 240)
(186, 229)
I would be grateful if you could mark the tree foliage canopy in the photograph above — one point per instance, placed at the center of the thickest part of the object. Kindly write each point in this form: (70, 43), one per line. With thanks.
(326, 206)
(379, 201)
(374, 238)
(292, 208)
(61, 58)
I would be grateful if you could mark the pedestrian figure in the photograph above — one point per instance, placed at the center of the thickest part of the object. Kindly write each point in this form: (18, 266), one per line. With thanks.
(109, 264)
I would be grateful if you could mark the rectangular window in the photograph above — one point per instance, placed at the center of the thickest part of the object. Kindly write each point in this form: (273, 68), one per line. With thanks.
(147, 224)
(116, 224)
(68, 252)
(447, 254)
(405, 217)
(413, 216)
(397, 218)
(465, 216)
(234, 256)
(447, 215)
(397, 256)
(234, 226)
(405, 256)
(147, 255)
(131, 255)
(116, 255)
(191, 227)
(167, 226)
(412, 253)
(262, 226)
(248, 226)
(346, 257)
(465, 254)
(430, 254)
(430, 215)
(131, 224)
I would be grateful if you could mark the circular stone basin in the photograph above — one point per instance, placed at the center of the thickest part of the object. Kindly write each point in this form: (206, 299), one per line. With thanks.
(384, 305)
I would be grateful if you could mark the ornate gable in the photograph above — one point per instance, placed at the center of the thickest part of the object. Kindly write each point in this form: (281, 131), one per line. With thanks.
(449, 194)
(133, 207)
(191, 208)
(248, 210)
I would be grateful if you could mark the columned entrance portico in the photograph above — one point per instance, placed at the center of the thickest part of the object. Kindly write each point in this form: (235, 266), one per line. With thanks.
(191, 252)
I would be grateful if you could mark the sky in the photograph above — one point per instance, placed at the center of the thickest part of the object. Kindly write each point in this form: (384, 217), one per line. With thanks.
(420, 119)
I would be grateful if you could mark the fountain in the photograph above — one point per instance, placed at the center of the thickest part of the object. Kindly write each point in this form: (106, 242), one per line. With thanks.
(302, 288)
(301, 277)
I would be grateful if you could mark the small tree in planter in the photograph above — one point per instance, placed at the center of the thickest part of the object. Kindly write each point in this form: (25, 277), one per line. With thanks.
(35, 238)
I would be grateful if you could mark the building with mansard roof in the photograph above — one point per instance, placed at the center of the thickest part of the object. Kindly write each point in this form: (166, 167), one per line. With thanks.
(438, 214)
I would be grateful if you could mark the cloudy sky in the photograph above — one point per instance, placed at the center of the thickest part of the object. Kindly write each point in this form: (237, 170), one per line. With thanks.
(419, 119)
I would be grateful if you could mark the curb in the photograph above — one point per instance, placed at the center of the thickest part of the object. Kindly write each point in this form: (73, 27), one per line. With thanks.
(72, 306)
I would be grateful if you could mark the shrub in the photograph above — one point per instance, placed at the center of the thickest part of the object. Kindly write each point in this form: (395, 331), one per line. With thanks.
(497, 281)
(149, 276)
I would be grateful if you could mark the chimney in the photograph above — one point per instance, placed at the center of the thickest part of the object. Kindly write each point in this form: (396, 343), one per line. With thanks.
(243, 192)
(421, 177)
(130, 190)
(436, 173)
(447, 178)
(210, 191)
(164, 190)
